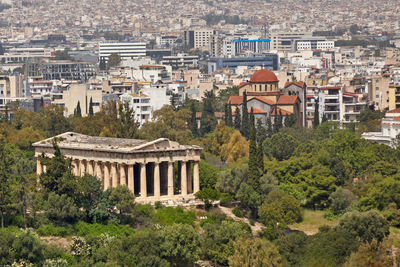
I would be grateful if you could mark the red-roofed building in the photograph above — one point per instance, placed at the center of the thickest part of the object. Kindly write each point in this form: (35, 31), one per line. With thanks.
(298, 89)
(261, 81)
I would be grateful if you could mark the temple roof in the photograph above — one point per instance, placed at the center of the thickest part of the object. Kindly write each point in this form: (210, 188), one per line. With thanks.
(71, 140)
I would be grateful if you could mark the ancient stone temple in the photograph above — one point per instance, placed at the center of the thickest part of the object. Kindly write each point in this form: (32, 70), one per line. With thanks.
(160, 170)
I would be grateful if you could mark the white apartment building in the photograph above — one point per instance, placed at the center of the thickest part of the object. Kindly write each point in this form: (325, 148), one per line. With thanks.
(390, 128)
(140, 103)
(126, 50)
(315, 44)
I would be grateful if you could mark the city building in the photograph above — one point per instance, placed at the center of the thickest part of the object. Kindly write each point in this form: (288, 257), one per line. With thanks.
(267, 61)
(394, 96)
(181, 61)
(390, 129)
(147, 168)
(261, 81)
(198, 39)
(126, 50)
(62, 70)
(140, 103)
(74, 93)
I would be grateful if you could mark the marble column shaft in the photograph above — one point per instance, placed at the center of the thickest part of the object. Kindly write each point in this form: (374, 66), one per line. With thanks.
(131, 181)
(156, 179)
(196, 180)
(170, 178)
(183, 178)
(143, 184)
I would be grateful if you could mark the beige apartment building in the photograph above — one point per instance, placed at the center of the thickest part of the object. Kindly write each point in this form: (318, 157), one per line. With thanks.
(378, 91)
(394, 96)
(79, 92)
(159, 170)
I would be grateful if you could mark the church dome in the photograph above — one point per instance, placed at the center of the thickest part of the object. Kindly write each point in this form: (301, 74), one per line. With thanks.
(263, 76)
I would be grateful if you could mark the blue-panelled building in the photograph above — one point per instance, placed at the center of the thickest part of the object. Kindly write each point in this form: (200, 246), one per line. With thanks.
(268, 61)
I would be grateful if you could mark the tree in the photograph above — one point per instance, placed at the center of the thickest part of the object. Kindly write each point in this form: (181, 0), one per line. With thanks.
(208, 120)
(58, 176)
(238, 120)
(90, 192)
(316, 114)
(254, 252)
(229, 180)
(60, 208)
(113, 60)
(122, 198)
(249, 198)
(193, 120)
(292, 248)
(270, 130)
(169, 124)
(91, 113)
(280, 146)
(230, 122)
(373, 254)
(27, 247)
(341, 200)
(254, 172)
(208, 175)
(207, 195)
(279, 208)
(366, 226)
(245, 126)
(78, 112)
(236, 149)
(180, 244)
(261, 132)
(290, 120)
(6, 180)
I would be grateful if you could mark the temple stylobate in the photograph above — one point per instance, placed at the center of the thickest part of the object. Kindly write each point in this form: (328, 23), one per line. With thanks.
(159, 170)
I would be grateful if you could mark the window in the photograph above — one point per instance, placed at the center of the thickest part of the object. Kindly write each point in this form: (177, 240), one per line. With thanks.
(135, 100)
(376, 88)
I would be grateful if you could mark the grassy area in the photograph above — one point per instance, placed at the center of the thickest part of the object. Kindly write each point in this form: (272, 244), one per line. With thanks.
(313, 219)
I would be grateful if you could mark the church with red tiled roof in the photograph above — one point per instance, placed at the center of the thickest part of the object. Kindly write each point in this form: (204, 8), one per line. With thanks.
(261, 81)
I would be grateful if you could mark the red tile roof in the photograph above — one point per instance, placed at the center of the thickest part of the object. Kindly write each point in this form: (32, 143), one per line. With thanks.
(397, 110)
(264, 100)
(287, 99)
(242, 84)
(263, 76)
(309, 96)
(262, 93)
(350, 94)
(397, 118)
(257, 111)
(235, 100)
(275, 111)
(329, 88)
(299, 84)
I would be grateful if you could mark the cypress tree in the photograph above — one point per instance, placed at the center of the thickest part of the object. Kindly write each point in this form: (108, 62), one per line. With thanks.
(230, 123)
(261, 132)
(226, 117)
(252, 120)
(270, 130)
(245, 117)
(254, 173)
(324, 118)
(193, 121)
(238, 120)
(260, 158)
(208, 120)
(91, 107)
(78, 110)
(316, 114)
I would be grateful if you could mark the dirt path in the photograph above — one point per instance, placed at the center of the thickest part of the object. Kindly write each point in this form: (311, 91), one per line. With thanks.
(254, 228)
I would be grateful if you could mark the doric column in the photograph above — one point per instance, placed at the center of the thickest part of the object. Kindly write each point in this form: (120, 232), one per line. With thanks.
(75, 164)
(44, 168)
(131, 181)
(143, 185)
(122, 175)
(38, 167)
(90, 167)
(114, 174)
(106, 176)
(170, 178)
(189, 178)
(82, 167)
(196, 180)
(156, 179)
(97, 168)
(183, 178)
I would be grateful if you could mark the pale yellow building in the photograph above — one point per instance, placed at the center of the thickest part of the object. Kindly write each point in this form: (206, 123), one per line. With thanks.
(79, 92)
(394, 96)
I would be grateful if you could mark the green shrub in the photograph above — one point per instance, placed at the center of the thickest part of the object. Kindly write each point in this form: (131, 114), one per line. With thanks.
(17, 220)
(252, 222)
(51, 230)
(237, 212)
(226, 200)
(96, 229)
(169, 216)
